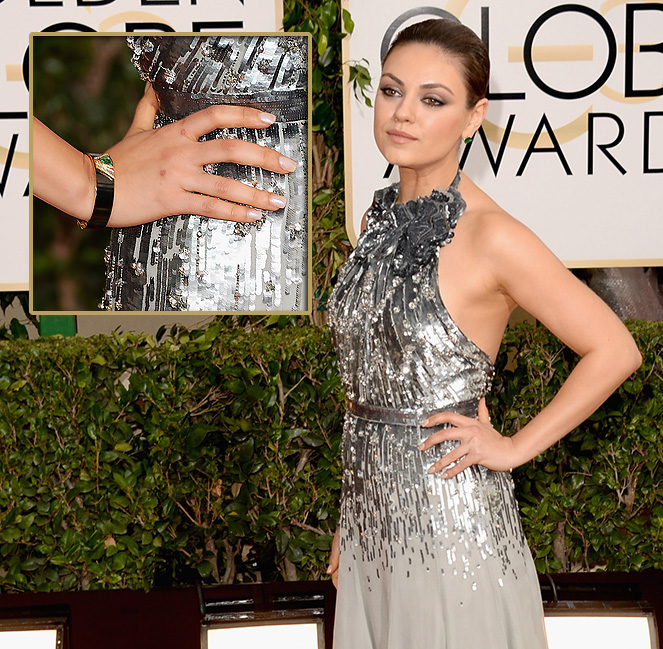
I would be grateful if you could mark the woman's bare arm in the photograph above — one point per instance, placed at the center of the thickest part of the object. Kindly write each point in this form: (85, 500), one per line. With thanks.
(535, 279)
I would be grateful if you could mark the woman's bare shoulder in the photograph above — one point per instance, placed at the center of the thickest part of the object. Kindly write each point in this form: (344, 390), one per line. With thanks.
(487, 222)
(503, 245)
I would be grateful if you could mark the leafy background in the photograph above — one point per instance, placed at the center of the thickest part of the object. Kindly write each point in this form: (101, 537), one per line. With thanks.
(213, 454)
(126, 463)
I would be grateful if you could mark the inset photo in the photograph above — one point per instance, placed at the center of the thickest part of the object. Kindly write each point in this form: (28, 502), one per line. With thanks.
(170, 172)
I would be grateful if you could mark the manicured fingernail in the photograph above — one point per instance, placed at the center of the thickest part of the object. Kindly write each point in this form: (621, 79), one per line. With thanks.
(277, 201)
(431, 469)
(254, 214)
(287, 163)
(445, 475)
(268, 118)
(421, 446)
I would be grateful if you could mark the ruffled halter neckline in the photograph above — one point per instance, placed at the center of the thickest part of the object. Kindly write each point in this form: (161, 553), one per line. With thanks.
(427, 222)
(386, 199)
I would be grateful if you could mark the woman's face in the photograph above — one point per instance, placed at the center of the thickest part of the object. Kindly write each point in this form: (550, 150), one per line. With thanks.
(421, 111)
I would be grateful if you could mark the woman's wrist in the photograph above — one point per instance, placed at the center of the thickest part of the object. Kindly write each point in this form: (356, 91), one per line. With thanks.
(522, 449)
(87, 188)
(61, 174)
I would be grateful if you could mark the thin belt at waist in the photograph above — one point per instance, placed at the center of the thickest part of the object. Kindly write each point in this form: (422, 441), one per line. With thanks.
(407, 417)
(287, 105)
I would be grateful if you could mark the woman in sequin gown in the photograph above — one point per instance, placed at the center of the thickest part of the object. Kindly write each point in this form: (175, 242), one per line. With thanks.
(432, 551)
(194, 263)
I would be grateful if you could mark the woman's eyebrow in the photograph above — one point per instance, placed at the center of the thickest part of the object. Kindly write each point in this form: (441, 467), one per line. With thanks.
(437, 85)
(426, 86)
(393, 77)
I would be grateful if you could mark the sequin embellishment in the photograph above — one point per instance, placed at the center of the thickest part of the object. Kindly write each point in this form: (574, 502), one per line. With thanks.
(189, 262)
(425, 561)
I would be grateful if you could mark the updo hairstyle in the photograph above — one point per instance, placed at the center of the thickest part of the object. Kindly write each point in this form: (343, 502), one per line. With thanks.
(458, 41)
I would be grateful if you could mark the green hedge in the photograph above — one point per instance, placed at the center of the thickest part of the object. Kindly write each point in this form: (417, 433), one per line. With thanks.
(129, 464)
(595, 500)
(214, 455)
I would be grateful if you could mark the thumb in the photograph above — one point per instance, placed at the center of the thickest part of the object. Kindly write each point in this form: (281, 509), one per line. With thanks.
(333, 564)
(334, 555)
(482, 412)
(146, 111)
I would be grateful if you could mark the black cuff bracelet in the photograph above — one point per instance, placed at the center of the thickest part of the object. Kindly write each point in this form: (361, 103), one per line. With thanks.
(105, 190)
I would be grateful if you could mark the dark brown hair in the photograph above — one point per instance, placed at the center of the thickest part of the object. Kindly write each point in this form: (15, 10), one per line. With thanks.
(458, 41)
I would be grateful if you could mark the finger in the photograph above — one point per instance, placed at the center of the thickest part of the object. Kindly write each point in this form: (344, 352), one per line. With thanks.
(235, 191)
(444, 435)
(447, 417)
(216, 208)
(244, 153)
(145, 113)
(458, 468)
(452, 456)
(332, 570)
(483, 415)
(333, 565)
(223, 116)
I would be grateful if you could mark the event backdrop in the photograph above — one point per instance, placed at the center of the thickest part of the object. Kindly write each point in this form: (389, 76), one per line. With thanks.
(573, 141)
(20, 17)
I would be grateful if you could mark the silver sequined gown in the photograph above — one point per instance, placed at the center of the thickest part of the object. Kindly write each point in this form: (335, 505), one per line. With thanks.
(426, 562)
(192, 263)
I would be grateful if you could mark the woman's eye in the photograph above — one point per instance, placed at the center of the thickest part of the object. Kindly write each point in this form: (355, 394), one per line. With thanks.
(388, 91)
(433, 101)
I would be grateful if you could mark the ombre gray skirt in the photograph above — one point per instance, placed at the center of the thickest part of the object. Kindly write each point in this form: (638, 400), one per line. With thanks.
(429, 562)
